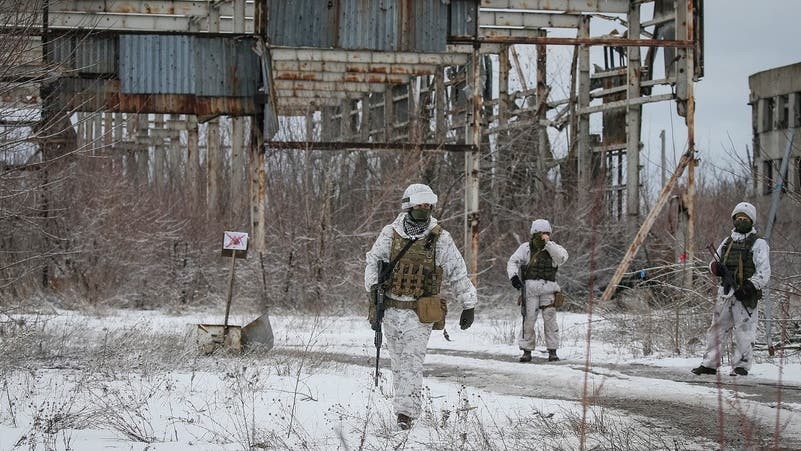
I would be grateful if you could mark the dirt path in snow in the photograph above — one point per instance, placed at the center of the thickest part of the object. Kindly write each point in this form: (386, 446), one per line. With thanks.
(693, 419)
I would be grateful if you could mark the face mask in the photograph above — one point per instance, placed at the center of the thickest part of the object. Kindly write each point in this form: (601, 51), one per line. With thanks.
(420, 214)
(743, 225)
(537, 241)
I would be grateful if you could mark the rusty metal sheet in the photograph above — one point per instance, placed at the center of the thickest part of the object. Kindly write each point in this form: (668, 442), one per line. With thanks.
(77, 94)
(226, 67)
(172, 64)
(597, 6)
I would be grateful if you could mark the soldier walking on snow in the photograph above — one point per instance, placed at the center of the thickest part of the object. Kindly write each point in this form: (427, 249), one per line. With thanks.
(422, 255)
(536, 263)
(744, 270)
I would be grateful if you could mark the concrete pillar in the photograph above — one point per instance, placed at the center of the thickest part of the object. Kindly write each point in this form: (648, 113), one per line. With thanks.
(239, 170)
(192, 183)
(633, 116)
(472, 159)
(583, 147)
(543, 144)
(439, 86)
(214, 169)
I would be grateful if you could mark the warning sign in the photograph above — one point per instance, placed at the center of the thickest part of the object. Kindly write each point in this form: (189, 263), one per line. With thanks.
(235, 242)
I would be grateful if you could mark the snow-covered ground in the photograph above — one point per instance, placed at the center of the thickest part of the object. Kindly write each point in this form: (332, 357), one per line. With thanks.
(134, 380)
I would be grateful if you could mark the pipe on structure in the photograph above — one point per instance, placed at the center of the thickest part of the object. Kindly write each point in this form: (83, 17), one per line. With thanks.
(587, 40)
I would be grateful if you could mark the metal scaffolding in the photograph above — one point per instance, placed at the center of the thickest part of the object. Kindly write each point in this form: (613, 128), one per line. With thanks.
(369, 70)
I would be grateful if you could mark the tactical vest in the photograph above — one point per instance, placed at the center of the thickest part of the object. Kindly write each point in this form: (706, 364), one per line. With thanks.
(540, 266)
(739, 259)
(416, 274)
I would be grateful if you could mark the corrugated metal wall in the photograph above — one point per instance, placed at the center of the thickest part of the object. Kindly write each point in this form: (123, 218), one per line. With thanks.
(369, 25)
(226, 68)
(463, 17)
(302, 23)
(150, 64)
(86, 54)
(383, 25)
(429, 26)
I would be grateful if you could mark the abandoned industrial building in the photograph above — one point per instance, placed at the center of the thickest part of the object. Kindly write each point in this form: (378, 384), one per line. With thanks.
(775, 101)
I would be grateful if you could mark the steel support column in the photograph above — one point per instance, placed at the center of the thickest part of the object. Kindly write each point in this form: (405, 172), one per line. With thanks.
(543, 148)
(471, 167)
(688, 277)
(633, 115)
(584, 169)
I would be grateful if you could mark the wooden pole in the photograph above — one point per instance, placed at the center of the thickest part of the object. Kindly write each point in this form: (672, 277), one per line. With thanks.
(230, 291)
(646, 227)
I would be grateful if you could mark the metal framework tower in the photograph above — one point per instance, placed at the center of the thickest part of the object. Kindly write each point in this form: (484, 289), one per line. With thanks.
(395, 74)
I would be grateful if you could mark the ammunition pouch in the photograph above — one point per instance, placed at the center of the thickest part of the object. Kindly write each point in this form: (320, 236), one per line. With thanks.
(558, 299)
(432, 309)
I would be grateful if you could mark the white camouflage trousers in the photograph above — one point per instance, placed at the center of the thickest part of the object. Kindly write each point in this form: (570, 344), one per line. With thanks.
(730, 318)
(407, 339)
(527, 337)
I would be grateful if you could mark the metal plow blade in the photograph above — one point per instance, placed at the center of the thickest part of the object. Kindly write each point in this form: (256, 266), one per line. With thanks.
(259, 332)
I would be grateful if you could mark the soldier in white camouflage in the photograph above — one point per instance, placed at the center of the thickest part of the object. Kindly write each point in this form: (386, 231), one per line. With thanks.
(744, 270)
(539, 259)
(431, 259)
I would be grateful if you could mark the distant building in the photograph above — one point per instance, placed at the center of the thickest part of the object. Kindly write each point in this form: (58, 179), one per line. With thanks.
(775, 101)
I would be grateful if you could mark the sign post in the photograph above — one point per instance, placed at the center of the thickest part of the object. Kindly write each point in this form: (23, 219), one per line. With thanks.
(235, 244)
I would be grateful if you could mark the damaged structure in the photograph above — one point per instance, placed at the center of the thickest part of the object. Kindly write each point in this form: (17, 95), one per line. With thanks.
(364, 75)
(775, 100)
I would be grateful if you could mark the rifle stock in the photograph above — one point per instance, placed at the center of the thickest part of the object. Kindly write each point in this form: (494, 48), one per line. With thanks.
(727, 278)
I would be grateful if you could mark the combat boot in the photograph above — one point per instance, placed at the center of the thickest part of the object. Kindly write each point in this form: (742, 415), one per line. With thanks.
(552, 357)
(704, 370)
(404, 421)
(526, 357)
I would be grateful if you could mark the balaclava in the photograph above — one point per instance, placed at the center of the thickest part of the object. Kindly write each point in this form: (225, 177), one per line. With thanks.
(743, 225)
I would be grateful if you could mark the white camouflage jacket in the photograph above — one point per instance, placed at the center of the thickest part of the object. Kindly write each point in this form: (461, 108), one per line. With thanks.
(761, 253)
(523, 254)
(454, 270)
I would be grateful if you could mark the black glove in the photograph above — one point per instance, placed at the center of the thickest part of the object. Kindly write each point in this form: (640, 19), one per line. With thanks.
(466, 320)
(516, 282)
(716, 268)
(745, 292)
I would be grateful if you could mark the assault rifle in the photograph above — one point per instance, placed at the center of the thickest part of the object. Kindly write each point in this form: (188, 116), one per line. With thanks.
(520, 273)
(727, 278)
(378, 299)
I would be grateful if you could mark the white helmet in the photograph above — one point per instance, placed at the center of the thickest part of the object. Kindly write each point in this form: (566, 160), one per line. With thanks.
(417, 194)
(748, 209)
(540, 225)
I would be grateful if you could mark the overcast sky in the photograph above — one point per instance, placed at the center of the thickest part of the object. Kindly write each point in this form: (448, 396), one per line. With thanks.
(741, 39)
